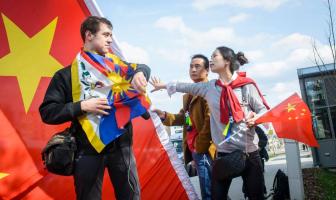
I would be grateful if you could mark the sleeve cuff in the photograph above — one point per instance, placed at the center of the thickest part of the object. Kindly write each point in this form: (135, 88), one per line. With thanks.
(171, 88)
(77, 110)
(144, 69)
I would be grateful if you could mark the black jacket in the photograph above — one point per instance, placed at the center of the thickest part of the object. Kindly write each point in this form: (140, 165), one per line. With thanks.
(263, 140)
(58, 107)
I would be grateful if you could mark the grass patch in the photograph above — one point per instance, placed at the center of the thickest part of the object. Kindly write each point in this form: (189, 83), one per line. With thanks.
(327, 181)
(319, 184)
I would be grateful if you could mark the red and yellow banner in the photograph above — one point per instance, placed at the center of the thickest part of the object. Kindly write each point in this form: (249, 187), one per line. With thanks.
(36, 39)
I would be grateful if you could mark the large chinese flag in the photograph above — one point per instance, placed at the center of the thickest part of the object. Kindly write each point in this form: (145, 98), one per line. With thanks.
(291, 119)
(38, 37)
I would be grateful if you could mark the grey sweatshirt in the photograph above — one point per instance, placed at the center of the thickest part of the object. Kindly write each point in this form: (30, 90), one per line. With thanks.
(212, 93)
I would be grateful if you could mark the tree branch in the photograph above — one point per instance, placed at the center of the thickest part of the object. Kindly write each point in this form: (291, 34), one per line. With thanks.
(332, 41)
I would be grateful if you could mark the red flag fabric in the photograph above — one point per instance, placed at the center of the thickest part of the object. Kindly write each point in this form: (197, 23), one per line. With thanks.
(291, 119)
(37, 38)
(12, 147)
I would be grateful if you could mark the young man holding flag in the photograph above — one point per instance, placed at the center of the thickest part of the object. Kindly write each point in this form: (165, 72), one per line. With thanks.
(99, 94)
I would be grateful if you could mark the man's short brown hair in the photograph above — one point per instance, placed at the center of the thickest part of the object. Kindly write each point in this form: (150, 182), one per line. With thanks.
(92, 24)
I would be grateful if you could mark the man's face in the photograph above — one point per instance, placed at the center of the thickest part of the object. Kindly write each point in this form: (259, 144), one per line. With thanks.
(197, 70)
(101, 40)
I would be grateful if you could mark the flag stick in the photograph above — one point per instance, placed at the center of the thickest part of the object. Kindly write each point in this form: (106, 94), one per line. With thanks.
(227, 139)
(262, 114)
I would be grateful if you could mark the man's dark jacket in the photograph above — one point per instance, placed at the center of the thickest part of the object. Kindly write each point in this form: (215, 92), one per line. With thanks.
(58, 107)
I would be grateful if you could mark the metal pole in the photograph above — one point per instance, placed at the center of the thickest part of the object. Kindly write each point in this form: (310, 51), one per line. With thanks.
(294, 170)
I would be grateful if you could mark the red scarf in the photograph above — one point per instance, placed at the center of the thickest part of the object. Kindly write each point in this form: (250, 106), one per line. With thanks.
(228, 95)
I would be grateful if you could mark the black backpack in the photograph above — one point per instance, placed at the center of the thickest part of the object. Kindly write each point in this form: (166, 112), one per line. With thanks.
(280, 186)
(263, 141)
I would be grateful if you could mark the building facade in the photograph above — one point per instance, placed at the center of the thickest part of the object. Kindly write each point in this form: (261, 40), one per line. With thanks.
(318, 89)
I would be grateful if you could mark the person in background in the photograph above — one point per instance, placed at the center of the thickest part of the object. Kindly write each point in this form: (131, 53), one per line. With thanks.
(195, 119)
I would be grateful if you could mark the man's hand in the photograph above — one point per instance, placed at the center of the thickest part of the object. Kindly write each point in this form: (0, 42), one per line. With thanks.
(160, 113)
(251, 118)
(139, 82)
(157, 84)
(96, 105)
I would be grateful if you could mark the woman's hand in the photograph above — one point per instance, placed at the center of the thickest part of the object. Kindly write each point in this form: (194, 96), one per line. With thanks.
(157, 84)
(250, 119)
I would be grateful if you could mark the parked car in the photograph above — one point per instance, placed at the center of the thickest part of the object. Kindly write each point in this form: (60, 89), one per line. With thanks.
(176, 139)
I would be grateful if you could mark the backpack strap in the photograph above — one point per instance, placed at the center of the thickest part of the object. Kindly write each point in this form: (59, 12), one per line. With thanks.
(244, 92)
(245, 103)
(275, 181)
(245, 96)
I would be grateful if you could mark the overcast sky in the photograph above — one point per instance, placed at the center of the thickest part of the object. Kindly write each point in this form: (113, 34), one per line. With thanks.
(275, 35)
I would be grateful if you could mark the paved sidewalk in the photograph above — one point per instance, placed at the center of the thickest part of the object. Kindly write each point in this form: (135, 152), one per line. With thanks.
(271, 167)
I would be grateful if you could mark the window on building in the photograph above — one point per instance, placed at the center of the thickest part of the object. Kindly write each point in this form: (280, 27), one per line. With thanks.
(330, 84)
(315, 93)
(321, 123)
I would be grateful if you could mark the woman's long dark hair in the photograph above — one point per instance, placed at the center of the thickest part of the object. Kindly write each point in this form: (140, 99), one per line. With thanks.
(236, 60)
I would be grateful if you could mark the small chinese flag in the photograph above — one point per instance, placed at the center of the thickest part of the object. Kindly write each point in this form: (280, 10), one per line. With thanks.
(291, 119)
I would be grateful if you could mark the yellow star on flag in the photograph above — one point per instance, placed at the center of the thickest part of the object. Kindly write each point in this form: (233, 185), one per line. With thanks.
(29, 58)
(120, 84)
(3, 175)
(290, 107)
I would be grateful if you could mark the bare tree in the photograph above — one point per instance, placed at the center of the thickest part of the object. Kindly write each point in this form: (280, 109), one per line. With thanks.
(318, 59)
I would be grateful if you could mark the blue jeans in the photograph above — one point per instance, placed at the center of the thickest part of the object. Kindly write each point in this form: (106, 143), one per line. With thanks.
(203, 166)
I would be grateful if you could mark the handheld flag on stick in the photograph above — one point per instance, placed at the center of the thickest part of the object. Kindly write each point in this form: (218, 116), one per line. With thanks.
(227, 129)
(291, 119)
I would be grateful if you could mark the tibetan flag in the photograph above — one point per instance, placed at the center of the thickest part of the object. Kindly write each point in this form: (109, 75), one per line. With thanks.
(37, 38)
(291, 119)
(106, 77)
